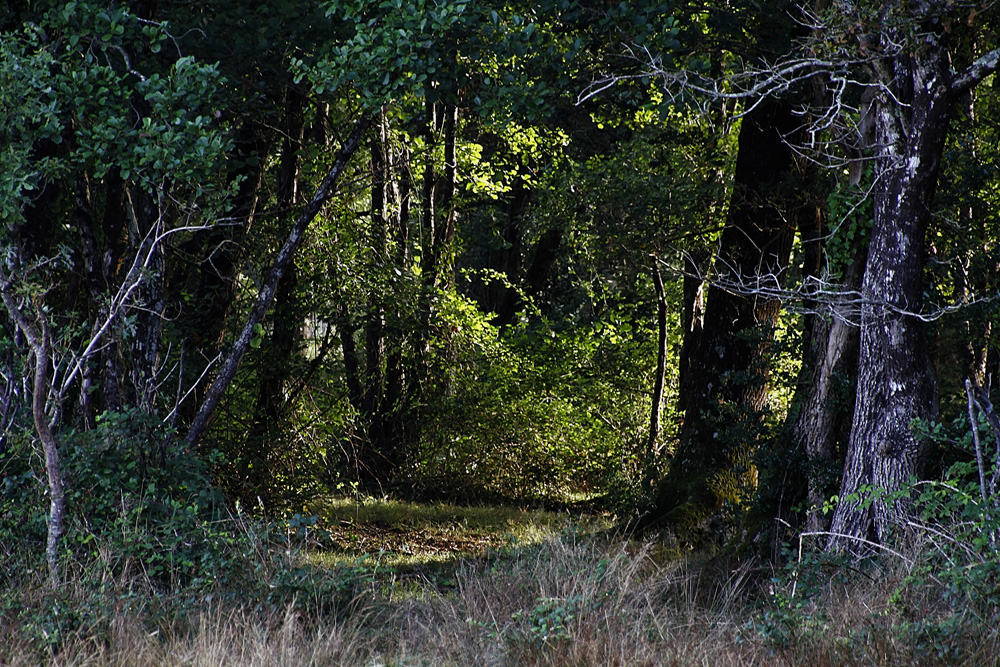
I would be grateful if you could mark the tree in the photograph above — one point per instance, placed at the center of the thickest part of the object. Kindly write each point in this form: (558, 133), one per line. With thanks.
(467, 90)
(725, 358)
(916, 92)
(724, 382)
(819, 421)
(911, 92)
(70, 153)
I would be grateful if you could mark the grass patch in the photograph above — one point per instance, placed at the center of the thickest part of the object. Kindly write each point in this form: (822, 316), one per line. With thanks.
(444, 517)
(405, 534)
(558, 592)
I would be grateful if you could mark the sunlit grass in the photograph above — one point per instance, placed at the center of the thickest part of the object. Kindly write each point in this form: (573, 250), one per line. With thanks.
(555, 592)
(398, 535)
(566, 597)
(442, 516)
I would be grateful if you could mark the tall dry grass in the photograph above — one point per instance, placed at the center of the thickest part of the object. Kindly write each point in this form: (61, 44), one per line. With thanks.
(572, 600)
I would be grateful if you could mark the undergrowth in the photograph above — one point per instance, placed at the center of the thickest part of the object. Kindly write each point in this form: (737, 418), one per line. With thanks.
(169, 575)
(573, 598)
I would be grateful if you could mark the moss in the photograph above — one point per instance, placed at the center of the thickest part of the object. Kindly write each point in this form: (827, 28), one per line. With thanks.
(690, 505)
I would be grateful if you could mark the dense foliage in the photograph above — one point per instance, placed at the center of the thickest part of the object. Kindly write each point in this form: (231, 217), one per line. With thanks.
(707, 269)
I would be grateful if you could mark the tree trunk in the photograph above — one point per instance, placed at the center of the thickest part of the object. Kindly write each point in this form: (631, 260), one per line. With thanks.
(970, 282)
(894, 382)
(659, 380)
(833, 348)
(267, 291)
(220, 251)
(144, 354)
(276, 356)
(499, 298)
(379, 455)
(377, 388)
(820, 416)
(723, 393)
(397, 395)
(38, 341)
(53, 464)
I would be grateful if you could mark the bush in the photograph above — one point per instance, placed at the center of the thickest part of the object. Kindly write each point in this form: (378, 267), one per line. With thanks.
(143, 508)
(535, 413)
(933, 595)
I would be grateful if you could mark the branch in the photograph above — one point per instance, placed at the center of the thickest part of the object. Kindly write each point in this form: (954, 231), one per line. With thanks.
(171, 418)
(831, 298)
(980, 69)
(268, 289)
(132, 281)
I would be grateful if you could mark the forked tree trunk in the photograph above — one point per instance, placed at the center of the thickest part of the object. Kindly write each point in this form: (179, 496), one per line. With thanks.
(834, 343)
(894, 382)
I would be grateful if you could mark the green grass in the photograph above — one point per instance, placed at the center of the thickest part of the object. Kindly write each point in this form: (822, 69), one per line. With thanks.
(439, 516)
(406, 535)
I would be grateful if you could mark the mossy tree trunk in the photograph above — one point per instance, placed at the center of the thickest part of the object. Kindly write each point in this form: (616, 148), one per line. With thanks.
(723, 392)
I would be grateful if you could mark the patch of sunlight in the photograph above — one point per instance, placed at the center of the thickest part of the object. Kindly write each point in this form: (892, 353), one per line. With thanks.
(397, 537)
(437, 516)
(383, 562)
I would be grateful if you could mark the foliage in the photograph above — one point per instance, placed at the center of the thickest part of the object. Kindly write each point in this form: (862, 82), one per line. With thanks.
(943, 572)
(851, 213)
(31, 111)
(74, 92)
(958, 523)
(535, 413)
(152, 540)
(130, 478)
(153, 155)
(134, 499)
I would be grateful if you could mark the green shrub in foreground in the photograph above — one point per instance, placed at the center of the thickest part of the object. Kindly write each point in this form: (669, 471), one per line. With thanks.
(934, 592)
(146, 531)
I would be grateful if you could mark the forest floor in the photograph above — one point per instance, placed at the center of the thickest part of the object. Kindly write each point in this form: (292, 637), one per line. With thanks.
(459, 585)
(414, 533)
(406, 584)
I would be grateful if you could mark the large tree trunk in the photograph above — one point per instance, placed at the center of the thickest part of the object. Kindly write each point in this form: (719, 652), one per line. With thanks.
(894, 383)
(723, 391)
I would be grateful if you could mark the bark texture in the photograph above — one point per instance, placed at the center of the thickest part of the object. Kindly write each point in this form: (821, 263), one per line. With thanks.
(894, 383)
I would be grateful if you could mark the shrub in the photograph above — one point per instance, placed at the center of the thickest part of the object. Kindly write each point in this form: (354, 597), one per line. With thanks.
(932, 595)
